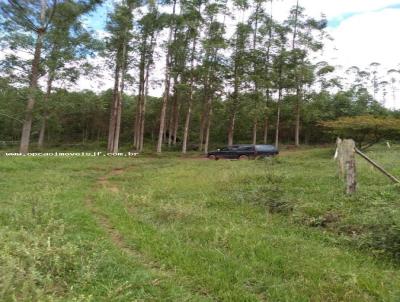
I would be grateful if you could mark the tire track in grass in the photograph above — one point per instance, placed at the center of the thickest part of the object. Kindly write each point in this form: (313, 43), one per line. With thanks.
(117, 239)
(105, 183)
(194, 287)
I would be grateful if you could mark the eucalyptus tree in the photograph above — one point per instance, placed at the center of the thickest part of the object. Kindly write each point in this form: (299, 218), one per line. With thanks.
(167, 76)
(280, 73)
(257, 59)
(352, 76)
(67, 42)
(213, 63)
(359, 78)
(269, 33)
(193, 20)
(119, 26)
(32, 18)
(238, 72)
(294, 22)
(384, 86)
(179, 56)
(373, 71)
(364, 78)
(25, 18)
(322, 70)
(148, 28)
(393, 79)
(307, 35)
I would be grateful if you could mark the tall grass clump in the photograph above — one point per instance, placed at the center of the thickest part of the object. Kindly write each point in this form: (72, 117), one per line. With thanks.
(38, 262)
(264, 188)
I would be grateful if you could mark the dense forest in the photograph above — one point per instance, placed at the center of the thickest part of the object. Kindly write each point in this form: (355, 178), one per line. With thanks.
(231, 73)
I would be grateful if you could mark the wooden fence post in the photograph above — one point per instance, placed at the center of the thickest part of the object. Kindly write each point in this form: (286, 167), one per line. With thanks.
(347, 163)
(338, 156)
(345, 155)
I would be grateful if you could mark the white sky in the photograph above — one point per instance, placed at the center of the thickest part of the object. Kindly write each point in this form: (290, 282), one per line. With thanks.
(366, 37)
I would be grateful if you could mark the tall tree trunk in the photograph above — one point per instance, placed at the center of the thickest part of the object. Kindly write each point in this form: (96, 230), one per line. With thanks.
(298, 100)
(176, 112)
(167, 114)
(207, 122)
(33, 86)
(161, 133)
(118, 124)
(202, 124)
(255, 119)
(46, 111)
(265, 140)
(143, 108)
(231, 128)
(120, 99)
(266, 121)
(146, 91)
(120, 73)
(138, 114)
(176, 121)
(114, 108)
(170, 124)
(255, 125)
(208, 130)
(33, 83)
(206, 106)
(42, 130)
(278, 116)
(206, 97)
(297, 110)
(187, 122)
(136, 123)
(140, 98)
(167, 83)
(232, 117)
(173, 110)
(190, 104)
(204, 119)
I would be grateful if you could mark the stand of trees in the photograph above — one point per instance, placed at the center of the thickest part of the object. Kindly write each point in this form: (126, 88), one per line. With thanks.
(231, 74)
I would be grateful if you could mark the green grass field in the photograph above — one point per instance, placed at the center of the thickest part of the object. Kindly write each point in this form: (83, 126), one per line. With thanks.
(184, 229)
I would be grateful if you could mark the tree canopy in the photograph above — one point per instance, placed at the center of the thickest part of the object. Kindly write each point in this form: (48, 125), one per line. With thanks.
(366, 130)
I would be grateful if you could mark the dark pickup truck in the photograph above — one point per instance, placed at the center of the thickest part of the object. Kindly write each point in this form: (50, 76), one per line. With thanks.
(243, 152)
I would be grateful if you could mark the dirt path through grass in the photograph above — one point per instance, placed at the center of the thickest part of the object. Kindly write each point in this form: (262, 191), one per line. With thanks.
(104, 181)
(118, 240)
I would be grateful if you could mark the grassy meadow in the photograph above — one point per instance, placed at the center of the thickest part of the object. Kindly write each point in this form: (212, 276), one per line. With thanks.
(188, 229)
